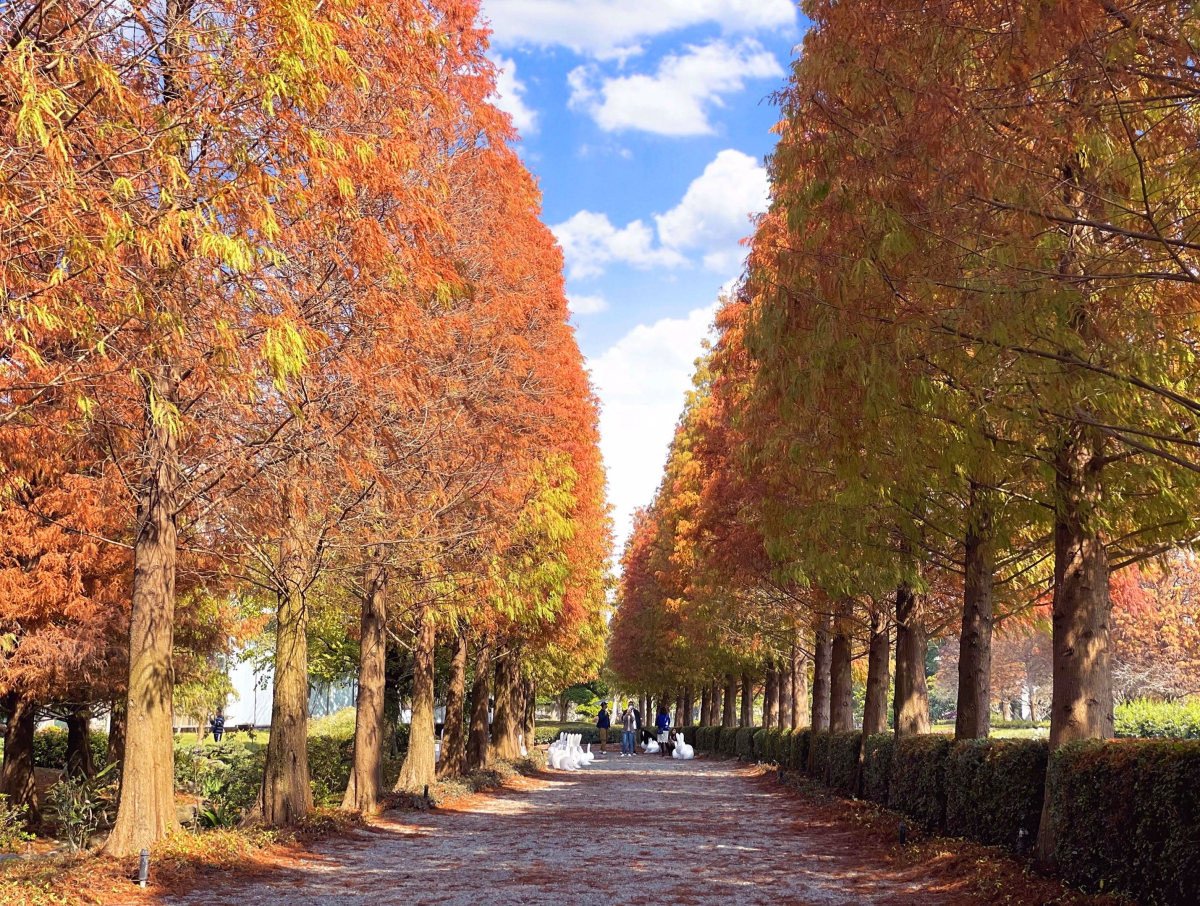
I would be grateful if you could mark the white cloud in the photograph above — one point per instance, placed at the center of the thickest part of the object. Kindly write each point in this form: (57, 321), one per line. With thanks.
(510, 97)
(617, 28)
(589, 241)
(675, 100)
(714, 213)
(641, 381)
(580, 304)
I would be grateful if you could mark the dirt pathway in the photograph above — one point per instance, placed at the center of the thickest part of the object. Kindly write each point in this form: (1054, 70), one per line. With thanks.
(642, 830)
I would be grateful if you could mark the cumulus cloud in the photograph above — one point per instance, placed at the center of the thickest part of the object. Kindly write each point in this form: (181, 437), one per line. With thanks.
(510, 97)
(580, 304)
(714, 213)
(642, 380)
(676, 99)
(590, 241)
(617, 28)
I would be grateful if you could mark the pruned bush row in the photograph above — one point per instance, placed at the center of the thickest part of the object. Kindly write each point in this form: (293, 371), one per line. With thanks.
(1126, 813)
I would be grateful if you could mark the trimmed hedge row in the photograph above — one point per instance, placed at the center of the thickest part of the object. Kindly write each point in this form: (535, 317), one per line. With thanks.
(995, 789)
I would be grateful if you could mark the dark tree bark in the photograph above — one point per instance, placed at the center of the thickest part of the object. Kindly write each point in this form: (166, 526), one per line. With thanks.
(478, 742)
(747, 713)
(419, 768)
(729, 712)
(17, 780)
(912, 692)
(878, 677)
(79, 748)
(677, 721)
(454, 732)
(116, 733)
(770, 696)
(705, 704)
(821, 678)
(506, 722)
(366, 772)
(784, 674)
(146, 802)
(841, 682)
(801, 716)
(689, 707)
(529, 725)
(973, 720)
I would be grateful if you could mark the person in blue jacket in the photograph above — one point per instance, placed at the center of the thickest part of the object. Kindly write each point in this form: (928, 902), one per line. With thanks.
(662, 723)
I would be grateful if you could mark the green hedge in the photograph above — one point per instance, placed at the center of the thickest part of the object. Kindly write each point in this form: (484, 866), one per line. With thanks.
(744, 744)
(706, 739)
(1126, 816)
(689, 734)
(995, 789)
(759, 745)
(801, 740)
(50, 747)
(843, 760)
(1145, 719)
(918, 783)
(727, 742)
(819, 754)
(779, 746)
(878, 752)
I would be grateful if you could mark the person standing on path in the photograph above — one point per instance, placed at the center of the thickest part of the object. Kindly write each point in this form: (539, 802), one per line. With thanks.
(662, 723)
(631, 722)
(603, 722)
(217, 725)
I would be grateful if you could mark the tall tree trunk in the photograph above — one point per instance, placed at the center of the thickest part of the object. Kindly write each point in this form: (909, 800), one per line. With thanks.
(419, 767)
(1006, 710)
(821, 679)
(146, 802)
(644, 705)
(771, 696)
(79, 744)
(746, 718)
(875, 705)
(286, 793)
(841, 681)
(529, 726)
(116, 733)
(678, 720)
(784, 674)
(1081, 705)
(454, 735)
(478, 745)
(912, 692)
(973, 720)
(801, 716)
(729, 713)
(689, 707)
(17, 780)
(507, 718)
(705, 705)
(366, 773)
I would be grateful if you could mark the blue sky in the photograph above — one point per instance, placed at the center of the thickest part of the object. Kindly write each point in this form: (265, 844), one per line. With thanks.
(645, 122)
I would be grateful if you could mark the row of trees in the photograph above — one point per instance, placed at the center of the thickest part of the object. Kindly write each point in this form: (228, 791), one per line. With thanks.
(953, 388)
(285, 346)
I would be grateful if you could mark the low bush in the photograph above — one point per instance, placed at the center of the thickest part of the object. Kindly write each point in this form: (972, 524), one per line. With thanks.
(1144, 719)
(818, 756)
(799, 754)
(689, 735)
(918, 782)
(760, 745)
(706, 739)
(843, 760)
(1126, 815)
(878, 751)
(50, 747)
(744, 743)
(995, 789)
(780, 746)
(727, 741)
(330, 759)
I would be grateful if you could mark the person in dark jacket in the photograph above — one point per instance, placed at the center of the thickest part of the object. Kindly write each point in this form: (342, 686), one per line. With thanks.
(603, 722)
(662, 723)
(631, 722)
(217, 725)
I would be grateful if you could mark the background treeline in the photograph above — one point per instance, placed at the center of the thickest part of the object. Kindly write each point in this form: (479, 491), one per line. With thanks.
(953, 396)
(285, 356)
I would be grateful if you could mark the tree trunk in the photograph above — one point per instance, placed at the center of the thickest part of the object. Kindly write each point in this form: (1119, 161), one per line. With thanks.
(771, 696)
(286, 793)
(146, 802)
(1081, 705)
(729, 713)
(784, 674)
(478, 747)
(419, 768)
(801, 716)
(975, 641)
(878, 675)
(1006, 710)
(678, 721)
(706, 705)
(454, 737)
(529, 725)
(644, 705)
(841, 681)
(821, 678)
(912, 693)
(17, 780)
(366, 773)
(116, 733)
(689, 707)
(507, 718)
(79, 747)
(746, 718)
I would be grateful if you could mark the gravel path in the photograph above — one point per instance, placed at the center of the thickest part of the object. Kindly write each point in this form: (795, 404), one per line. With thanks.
(645, 830)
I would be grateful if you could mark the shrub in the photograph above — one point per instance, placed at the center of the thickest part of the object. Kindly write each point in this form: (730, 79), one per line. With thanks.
(843, 760)
(878, 751)
(1146, 719)
(12, 827)
(781, 747)
(727, 741)
(818, 753)
(759, 745)
(918, 783)
(1126, 815)
(689, 735)
(50, 748)
(995, 789)
(330, 759)
(799, 754)
(706, 739)
(744, 743)
(81, 805)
